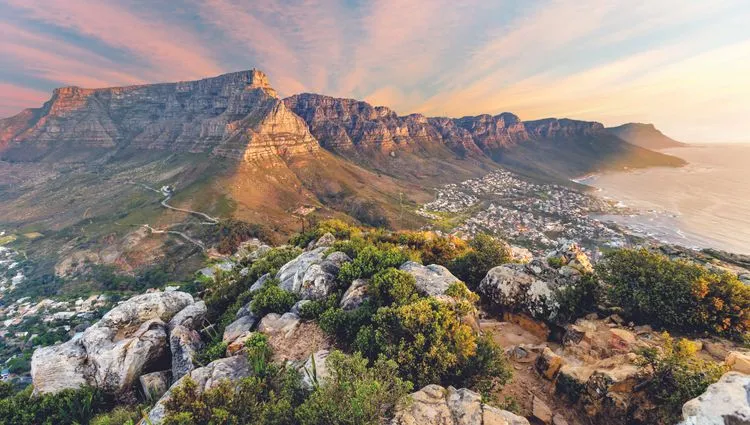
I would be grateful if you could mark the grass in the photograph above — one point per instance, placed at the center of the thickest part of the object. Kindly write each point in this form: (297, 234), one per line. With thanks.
(4, 240)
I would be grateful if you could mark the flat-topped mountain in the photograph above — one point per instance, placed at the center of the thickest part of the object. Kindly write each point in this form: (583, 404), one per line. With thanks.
(644, 135)
(237, 115)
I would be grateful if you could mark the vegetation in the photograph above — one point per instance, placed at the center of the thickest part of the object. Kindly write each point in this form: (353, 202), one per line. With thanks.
(486, 252)
(67, 407)
(677, 375)
(272, 299)
(677, 295)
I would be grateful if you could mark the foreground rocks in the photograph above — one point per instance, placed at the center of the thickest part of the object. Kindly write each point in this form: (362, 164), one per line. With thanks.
(114, 352)
(726, 402)
(435, 405)
(312, 275)
(431, 280)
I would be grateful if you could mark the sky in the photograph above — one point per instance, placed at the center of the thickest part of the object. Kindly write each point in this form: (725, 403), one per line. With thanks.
(683, 65)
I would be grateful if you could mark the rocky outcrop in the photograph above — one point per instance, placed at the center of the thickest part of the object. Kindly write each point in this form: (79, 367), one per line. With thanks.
(236, 115)
(523, 288)
(115, 351)
(431, 280)
(435, 405)
(726, 402)
(312, 275)
(230, 368)
(184, 343)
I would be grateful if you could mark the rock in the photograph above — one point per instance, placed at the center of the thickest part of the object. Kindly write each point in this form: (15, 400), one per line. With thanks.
(325, 241)
(114, 352)
(520, 255)
(540, 411)
(569, 254)
(191, 317)
(255, 287)
(238, 345)
(514, 286)
(275, 324)
(184, 344)
(738, 362)
(621, 339)
(311, 275)
(548, 363)
(317, 283)
(297, 307)
(558, 419)
(355, 295)
(230, 368)
(616, 319)
(154, 384)
(726, 402)
(238, 328)
(431, 280)
(338, 258)
(435, 405)
(315, 374)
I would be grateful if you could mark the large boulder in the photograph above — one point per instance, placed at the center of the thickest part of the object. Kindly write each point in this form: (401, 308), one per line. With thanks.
(273, 324)
(435, 405)
(738, 362)
(312, 275)
(522, 288)
(238, 328)
(432, 280)
(191, 317)
(229, 368)
(355, 295)
(184, 343)
(291, 275)
(115, 351)
(724, 402)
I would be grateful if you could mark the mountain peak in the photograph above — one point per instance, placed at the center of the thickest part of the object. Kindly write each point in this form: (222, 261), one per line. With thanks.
(645, 135)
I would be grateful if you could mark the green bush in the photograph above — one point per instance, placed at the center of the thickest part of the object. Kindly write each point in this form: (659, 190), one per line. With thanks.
(485, 253)
(578, 299)
(354, 393)
(314, 309)
(119, 416)
(338, 228)
(212, 351)
(677, 295)
(371, 260)
(486, 371)
(68, 407)
(676, 375)
(393, 286)
(272, 299)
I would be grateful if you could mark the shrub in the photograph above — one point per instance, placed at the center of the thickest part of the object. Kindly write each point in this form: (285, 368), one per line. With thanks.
(68, 407)
(485, 371)
(345, 325)
(425, 338)
(371, 260)
(119, 416)
(314, 309)
(338, 228)
(212, 351)
(272, 299)
(486, 252)
(675, 294)
(393, 286)
(578, 299)
(442, 250)
(676, 375)
(354, 393)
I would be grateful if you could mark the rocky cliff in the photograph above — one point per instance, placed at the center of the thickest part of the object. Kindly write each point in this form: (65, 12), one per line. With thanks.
(644, 135)
(235, 115)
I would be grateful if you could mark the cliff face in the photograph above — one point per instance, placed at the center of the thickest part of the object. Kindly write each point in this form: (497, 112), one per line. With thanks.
(235, 115)
(347, 125)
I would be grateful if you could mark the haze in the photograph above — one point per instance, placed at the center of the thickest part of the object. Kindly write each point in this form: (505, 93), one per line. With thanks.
(681, 65)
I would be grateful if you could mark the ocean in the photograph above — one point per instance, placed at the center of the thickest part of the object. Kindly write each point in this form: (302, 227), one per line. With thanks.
(705, 204)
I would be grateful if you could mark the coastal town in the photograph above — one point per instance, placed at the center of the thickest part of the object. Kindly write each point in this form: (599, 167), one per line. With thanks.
(536, 216)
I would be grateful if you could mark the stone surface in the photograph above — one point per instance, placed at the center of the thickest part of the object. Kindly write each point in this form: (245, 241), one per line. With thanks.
(279, 324)
(318, 373)
(191, 317)
(540, 411)
(355, 295)
(738, 362)
(238, 328)
(114, 352)
(548, 363)
(431, 280)
(230, 368)
(519, 288)
(726, 402)
(154, 384)
(435, 405)
(184, 343)
(291, 275)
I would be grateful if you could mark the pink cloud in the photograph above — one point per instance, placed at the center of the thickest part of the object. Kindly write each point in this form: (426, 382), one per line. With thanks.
(15, 99)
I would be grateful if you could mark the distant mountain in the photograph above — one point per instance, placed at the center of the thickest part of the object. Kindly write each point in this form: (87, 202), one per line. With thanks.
(80, 169)
(644, 135)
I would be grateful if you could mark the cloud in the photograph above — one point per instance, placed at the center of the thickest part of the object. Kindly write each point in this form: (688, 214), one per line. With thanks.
(17, 98)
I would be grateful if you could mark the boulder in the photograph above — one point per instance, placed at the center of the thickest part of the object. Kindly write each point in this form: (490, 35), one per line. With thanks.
(114, 352)
(520, 254)
(435, 405)
(621, 339)
(229, 368)
(355, 295)
(317, 283)
(291, 275)
(154, 384)
(255, 287)
(184, 343)
(297, 307)
(517, 288)
(738, 362)
(338, 259)
(325, 241)
(569, 254)
(431, 280)
(273, 323)
(312, 275)
(191, 317)
(548, 363)
(238, 328)
(317, 373)
(540, 411)
(724, 402)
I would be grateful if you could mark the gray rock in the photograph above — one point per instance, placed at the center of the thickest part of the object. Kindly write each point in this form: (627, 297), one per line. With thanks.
(435, 405)
(238, 328)
(114, 352)
(517, 287)
(297, 307)
(275, 324)
(338, 258)
(260, 282)
(317, 373)
(184, 343)
(191, 317)
(154, 384)
(317, 282)
(291, 275)
(724, 402)
(230, 368)
(355, 295)
(325, 241)
(431, 280)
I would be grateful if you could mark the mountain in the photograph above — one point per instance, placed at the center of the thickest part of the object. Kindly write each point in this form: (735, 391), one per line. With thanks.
(84, 169)
(644, 135)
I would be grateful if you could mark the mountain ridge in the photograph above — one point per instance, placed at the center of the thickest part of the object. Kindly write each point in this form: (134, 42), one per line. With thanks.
(645, 135)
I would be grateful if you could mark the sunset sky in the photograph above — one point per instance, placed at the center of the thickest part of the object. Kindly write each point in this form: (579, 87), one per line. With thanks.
(682, 64)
